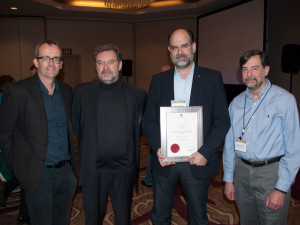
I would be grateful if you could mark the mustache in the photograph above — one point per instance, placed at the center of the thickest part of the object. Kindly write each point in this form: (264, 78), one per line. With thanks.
(181, 55)
(106, 71)
(250, 78)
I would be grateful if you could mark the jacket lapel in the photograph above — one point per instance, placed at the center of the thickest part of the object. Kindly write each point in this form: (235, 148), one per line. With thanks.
(169, 86)
(195, 86)
(35, 91)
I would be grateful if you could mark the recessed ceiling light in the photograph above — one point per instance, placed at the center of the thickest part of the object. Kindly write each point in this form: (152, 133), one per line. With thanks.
(99, 4)
(13, 8)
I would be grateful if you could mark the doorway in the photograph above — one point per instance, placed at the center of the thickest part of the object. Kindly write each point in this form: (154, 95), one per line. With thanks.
(70, 72)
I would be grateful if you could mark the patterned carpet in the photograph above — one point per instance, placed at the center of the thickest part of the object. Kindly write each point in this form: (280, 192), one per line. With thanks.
(219, 210)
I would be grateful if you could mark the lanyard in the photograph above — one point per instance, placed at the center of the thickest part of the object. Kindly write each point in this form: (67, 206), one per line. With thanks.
(244, 127)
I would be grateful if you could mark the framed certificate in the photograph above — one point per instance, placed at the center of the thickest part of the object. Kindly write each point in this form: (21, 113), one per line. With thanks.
(181, 130)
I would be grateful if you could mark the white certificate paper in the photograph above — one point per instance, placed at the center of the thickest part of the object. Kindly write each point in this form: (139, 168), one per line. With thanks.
(181, 131)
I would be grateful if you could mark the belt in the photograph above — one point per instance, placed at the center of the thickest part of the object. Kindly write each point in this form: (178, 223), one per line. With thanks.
(261, 163)
(58, 165)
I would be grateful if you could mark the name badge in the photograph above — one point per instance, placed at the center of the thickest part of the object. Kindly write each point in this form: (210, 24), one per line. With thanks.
(240, 145)
(178, 103)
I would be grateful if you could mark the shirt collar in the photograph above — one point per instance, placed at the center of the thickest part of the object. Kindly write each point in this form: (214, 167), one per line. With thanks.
(44, 89)
(189, 76)
(263, 91)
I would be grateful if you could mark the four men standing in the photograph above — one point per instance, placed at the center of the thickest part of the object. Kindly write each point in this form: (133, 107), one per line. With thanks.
(261, 152)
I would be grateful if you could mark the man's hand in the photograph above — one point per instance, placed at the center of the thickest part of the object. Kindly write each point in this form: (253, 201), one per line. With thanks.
(275, 200)
(229, 191)
(161, 157)
(196, 159)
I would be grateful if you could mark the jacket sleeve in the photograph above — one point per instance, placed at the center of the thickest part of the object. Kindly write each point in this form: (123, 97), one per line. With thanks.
(220, 121)
(76, 112)
(9, 115)
(142, 96)
(151, 127)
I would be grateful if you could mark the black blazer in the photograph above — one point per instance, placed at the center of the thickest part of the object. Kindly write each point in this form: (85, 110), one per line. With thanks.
(84, 116)
(24, 130)
(207, 91)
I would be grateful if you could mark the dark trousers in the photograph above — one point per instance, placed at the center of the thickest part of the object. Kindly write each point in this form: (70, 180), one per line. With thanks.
(119, 186)
(196, 194)
(52, 202)
(23, 211)
(11, 185)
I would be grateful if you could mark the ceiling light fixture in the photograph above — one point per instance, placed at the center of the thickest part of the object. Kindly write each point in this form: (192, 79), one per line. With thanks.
(13, 8)
(99, 4)
(128, 4)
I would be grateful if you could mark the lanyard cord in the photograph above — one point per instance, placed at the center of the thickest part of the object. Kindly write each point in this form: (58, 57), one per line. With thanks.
(244, 127)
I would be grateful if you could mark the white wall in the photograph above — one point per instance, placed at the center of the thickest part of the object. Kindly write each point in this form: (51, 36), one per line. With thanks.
(19, 37)
(18, 40)
(226, 35)
(152, 47)
(145, 43)
(283, 28)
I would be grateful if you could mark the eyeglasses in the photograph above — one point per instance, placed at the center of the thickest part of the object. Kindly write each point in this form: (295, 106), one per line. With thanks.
(47, 59)
(110, 62)
(183, 47)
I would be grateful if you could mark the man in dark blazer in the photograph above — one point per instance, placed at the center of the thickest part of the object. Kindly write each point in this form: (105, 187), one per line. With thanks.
(36, 136)
(196, 86)
(107, 114)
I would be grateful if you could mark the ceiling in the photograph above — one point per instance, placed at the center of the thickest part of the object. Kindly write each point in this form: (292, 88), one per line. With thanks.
(63, 9)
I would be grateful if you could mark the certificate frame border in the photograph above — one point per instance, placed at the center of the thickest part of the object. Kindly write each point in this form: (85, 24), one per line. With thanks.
(163, 128)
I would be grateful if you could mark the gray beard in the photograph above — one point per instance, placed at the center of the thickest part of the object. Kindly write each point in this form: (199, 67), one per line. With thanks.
(182, 64)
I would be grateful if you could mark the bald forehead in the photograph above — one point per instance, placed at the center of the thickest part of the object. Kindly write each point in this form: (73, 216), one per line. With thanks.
(179, 35)
(49, 47)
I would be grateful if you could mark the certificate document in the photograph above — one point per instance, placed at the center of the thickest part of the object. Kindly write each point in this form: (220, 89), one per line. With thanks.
(181, 131)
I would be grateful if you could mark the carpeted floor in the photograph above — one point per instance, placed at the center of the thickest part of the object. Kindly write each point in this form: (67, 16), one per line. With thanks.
(219, 210)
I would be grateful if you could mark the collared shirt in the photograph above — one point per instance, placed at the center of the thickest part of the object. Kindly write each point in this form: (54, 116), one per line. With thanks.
(183, 87)
(273, 130)
(58, 143)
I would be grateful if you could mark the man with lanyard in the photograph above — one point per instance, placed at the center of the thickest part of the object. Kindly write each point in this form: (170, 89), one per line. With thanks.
(262, 148)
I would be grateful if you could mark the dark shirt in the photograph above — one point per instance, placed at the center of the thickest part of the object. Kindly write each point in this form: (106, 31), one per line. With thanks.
(58, 146)
(112, 127)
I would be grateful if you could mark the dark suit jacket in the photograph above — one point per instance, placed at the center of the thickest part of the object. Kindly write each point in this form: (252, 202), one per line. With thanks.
(24, 130)
(207, 91)
(84, 115)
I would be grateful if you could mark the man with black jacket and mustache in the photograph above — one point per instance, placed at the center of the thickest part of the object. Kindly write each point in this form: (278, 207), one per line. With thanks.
(107, 114)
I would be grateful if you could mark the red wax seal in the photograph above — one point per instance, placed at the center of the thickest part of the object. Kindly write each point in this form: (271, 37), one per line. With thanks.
(175, 148)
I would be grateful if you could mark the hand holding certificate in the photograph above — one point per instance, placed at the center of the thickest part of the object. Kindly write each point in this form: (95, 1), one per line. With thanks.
(196, 159)
(161, 160)
(181, 132)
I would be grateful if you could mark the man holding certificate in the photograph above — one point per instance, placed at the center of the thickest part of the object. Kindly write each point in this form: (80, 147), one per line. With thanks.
(177, 97)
